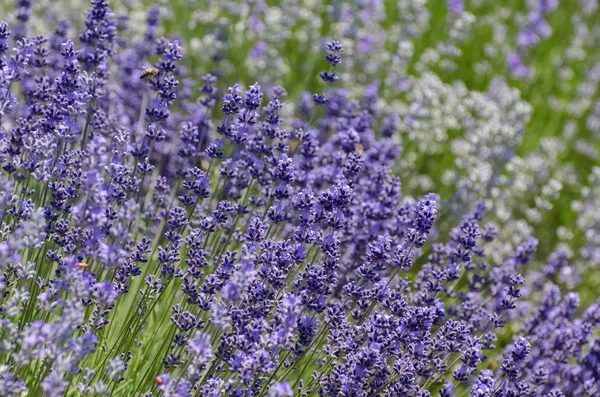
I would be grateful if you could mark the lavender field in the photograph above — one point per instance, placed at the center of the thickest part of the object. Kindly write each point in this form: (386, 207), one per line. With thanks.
(300, 198)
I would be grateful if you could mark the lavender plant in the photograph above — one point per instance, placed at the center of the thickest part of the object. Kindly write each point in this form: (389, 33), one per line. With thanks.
(162, 236)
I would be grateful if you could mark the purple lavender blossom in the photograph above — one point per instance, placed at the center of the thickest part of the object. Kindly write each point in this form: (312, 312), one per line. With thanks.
(140, 254)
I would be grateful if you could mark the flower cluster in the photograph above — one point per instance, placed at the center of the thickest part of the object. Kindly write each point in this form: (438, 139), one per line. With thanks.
(161, 235)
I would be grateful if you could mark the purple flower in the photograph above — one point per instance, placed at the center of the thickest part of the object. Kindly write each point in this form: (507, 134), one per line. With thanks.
(282, 389)
(456, 6)
(516, 67)
(10, 386)
(294, 254)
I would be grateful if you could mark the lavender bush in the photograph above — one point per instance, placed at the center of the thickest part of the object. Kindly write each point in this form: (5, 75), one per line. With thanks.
(163, 235)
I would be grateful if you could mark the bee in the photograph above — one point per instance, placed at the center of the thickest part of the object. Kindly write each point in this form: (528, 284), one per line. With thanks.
(293, 144)
(204, 164)
(159, 381)
(149, 72)
(359, 148)
(82, 265)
